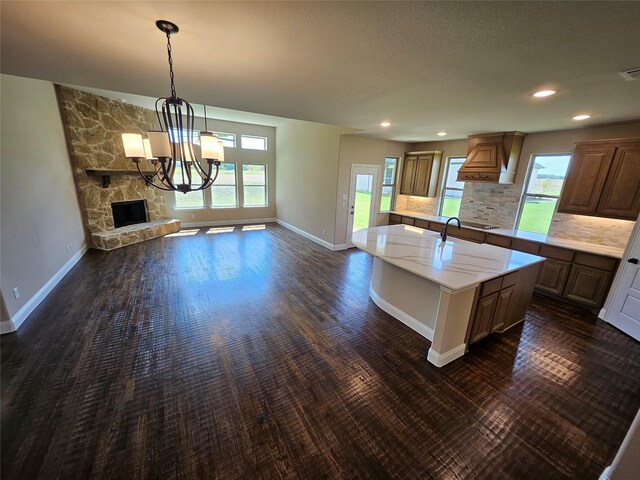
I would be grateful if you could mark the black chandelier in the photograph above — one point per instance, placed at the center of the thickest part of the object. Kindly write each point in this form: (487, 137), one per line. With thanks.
(171, 149)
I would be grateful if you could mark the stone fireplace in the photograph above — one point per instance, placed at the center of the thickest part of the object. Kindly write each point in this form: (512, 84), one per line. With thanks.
(93, 126)
(129, 213)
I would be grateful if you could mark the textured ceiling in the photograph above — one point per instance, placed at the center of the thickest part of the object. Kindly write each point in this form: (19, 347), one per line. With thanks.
(461, 67)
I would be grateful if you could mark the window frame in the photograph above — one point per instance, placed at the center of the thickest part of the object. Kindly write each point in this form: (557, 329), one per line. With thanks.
(525, 186)
(235, 175)
(262, 137)
(392, 205)
(266, 188)
(444, 188)
(235, 143)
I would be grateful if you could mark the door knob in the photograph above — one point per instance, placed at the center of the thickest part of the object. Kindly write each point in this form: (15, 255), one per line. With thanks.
(633, 260)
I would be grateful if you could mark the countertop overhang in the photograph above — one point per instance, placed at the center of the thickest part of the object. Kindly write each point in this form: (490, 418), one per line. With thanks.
(455, 264)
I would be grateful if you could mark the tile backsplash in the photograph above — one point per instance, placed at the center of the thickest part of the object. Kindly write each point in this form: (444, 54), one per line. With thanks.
(424, 205)
(602, 231)
(490, 203)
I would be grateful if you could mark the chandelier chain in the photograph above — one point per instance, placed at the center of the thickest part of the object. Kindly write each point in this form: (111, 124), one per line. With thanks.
(173, 85)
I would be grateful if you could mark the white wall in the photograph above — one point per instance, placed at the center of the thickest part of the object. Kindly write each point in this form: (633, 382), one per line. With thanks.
(358, 149)
(40, 215)
(307, 177)
(238, 156)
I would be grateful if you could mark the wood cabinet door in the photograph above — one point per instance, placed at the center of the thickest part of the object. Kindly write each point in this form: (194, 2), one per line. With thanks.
(621, 194)
(501, 317)
(553, 276)
(587, 285)
(585, 179)
(424, 166)
(483, 318)
(408, 174)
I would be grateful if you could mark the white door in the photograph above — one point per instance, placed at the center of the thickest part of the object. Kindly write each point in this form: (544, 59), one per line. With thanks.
(363, 198)
(624, 311)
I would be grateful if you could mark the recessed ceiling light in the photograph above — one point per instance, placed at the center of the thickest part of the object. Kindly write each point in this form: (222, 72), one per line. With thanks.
(581, 117)
(544, 93)
(385, 124)
(442, 134)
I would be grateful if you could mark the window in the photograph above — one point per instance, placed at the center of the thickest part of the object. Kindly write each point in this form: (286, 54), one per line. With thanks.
(251, 142)
(545, 178)
(190, 199)
(388, 184)
(174, 136)
(224, 192)
(227, 139)
(254, 180)
(451, 188)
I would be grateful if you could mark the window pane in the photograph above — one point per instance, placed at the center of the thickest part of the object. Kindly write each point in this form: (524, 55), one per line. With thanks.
(227, 139)
(452, 173)
(254, 179)
(389, 170)
(451, 203)
(174, 136)
(254, 174)
(223, 191)
(255, 195)
(385, 200)
(223, 196)
(547, 174)
(250, 142)
(536, 214)
(191, 199)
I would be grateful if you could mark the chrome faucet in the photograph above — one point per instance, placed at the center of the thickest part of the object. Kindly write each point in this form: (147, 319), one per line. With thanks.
(443, 233)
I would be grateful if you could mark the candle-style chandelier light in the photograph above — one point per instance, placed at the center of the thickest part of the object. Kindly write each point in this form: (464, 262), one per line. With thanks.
(171, 149)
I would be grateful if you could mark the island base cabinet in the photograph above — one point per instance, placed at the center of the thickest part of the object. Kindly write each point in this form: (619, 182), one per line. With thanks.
(482, 320)
(501, 316)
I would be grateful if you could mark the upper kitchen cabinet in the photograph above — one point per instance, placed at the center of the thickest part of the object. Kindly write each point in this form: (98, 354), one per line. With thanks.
(603, 180)
(420, 173)
(492, 158)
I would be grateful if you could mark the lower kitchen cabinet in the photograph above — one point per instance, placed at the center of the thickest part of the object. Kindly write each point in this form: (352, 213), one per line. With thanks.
(553, 276)
(587, 285)
(500, 318)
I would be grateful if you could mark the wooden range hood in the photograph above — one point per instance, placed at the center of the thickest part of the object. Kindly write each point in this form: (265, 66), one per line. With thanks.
(492, 157)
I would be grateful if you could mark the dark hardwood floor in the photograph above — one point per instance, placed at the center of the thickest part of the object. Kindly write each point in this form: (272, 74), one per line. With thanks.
(258, 354)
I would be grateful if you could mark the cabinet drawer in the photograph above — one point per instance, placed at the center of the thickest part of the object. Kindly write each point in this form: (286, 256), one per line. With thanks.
(394, 218)
(587, 285)
(498, 240)
(408, 220)
(553, 276)
(595, 261)
(436, 226)
(558, 253)
(422, 223)
(510, 279)
(491, 286)
(526, 246)
(467, 234)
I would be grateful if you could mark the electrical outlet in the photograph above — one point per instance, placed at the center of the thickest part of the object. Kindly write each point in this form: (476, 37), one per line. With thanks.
(16, 293)
(69, 247)
(324, 232)
(344, 204)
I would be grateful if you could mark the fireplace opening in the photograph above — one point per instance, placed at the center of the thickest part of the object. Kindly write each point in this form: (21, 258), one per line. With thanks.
(129, 213)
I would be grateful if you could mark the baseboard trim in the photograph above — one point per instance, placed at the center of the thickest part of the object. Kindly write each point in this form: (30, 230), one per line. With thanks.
(441, 359)
(308, 235)
(605, 474)
(342, 246)
(603, 314)
(217, 223)
(405, 318)
(21, 315)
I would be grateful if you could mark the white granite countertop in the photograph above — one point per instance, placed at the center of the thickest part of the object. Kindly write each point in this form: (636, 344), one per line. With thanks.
(455, 264)
(594, 248)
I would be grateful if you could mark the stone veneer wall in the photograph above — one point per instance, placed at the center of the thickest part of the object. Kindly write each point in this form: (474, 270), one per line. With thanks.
(93, 126)
(602, 231)
(424, 205)
(491, 203)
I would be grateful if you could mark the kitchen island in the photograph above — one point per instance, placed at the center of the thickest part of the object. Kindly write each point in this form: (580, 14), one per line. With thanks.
(453, 292)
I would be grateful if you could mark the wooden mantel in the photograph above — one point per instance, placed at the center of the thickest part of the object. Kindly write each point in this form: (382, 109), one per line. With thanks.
(107, 174)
